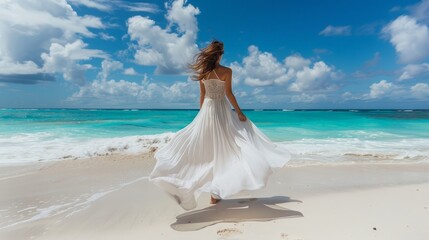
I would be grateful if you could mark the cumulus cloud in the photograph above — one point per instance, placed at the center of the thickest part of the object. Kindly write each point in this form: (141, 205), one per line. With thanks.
(108, 66)
(121, 93)
(49, 24)
(389, 90)
(336, 31)
(108, 89)
(349, 96)
(420, 91)
(296, 62)
(130, 71)
(380, 89)
(414, 71)
(377, 90)
(170, 49)
(410, 38)
(63, 59)
(260, 69)
(183, 16)
(316, 78)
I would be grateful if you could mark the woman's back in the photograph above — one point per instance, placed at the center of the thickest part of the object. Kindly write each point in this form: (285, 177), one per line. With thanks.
(215, 87)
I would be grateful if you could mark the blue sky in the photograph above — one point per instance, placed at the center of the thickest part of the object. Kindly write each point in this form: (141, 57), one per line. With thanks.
(284, 54)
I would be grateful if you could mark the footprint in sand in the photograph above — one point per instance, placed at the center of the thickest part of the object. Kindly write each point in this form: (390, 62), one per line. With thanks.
(228, 232)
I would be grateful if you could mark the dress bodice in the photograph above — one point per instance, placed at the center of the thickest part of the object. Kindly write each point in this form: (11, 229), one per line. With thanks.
(215, 88)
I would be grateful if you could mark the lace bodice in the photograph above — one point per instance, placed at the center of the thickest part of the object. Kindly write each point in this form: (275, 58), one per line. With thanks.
(215, 88)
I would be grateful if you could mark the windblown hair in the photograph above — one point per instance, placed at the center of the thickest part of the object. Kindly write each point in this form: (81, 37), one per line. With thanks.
(205, 60)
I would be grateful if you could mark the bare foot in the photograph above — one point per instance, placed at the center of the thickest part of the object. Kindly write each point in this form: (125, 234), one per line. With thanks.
(213, 200)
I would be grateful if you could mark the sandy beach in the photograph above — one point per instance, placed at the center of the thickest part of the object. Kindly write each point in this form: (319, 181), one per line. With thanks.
(109, 197)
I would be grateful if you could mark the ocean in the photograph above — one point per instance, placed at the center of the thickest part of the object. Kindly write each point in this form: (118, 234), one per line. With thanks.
(312, 136)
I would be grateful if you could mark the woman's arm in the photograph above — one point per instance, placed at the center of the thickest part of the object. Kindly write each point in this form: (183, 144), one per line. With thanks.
(230, 95)
(202, 93)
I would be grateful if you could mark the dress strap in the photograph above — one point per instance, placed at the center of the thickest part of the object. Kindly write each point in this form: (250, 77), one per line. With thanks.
(216, 74)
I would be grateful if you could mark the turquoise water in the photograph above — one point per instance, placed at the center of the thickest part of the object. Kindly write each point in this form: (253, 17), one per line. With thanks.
(57, 131)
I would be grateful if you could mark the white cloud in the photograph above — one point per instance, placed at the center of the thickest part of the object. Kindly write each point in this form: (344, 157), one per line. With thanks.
(348, 96)
(107, 37)
(256, 82)
(420, 91)
(108, 66)
(103, 89)
(64, 59)
(101, 5)
(29, 29)
(170, 51)
(110, 5)
(319, 77)
(414, 70)
(336, 31)
(141, 7)
(410, 38)
(307, 98)
(381, 89)
(297, 62)
(127, 94)
(183, 16)
(389, 90)
(260, 69)
(130, 71)
(27, 67)
(29, 16)
(131, 94)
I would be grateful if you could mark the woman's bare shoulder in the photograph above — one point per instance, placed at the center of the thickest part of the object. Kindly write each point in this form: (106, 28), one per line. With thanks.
(225, 69)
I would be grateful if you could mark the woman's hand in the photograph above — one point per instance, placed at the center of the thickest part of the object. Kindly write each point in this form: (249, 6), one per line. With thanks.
(241, 116)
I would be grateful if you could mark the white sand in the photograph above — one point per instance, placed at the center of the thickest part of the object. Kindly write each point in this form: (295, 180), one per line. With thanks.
(110, 198)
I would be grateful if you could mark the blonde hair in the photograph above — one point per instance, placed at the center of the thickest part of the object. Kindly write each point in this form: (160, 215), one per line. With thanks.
(205, 60)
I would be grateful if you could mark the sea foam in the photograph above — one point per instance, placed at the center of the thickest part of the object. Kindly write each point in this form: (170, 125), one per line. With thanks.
(43, 146)
(26, 148)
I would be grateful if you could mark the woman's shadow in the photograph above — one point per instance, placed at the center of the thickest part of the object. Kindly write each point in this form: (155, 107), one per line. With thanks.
(236, 210)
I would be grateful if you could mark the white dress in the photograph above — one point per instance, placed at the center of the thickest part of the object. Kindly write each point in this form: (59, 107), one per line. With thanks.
(215, 153)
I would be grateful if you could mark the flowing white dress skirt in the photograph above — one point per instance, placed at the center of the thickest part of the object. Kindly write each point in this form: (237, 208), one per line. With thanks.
(216, 153)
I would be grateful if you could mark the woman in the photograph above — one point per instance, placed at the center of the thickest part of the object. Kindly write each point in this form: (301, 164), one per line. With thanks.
(220, 152)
